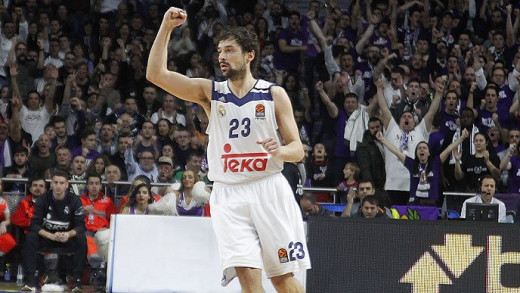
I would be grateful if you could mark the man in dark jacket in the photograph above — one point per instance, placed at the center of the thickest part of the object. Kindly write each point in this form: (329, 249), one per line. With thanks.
(369, 156)
(310, 207)
(57, 226)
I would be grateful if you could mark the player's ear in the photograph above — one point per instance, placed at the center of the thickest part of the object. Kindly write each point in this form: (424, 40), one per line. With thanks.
(250, 55)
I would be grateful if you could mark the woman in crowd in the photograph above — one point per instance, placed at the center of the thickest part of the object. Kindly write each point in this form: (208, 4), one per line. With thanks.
(484, 162)
(98, 165)
(187, 205)
(164, 128)
(138, 201)
(141, 179)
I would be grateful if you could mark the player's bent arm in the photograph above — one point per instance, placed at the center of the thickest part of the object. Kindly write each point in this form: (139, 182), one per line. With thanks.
(292, 150)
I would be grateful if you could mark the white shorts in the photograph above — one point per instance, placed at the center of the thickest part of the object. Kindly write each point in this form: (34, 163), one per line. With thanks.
(259, 223)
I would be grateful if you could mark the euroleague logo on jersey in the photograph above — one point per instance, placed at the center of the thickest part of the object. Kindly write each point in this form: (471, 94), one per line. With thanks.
(259, 111)
(246, 162)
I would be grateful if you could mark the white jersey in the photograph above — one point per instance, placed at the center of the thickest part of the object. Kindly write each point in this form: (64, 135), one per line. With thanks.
(397, 176)
(235, 126)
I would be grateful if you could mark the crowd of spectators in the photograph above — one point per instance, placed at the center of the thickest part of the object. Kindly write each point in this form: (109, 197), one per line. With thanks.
(73, 88)
(425, 74)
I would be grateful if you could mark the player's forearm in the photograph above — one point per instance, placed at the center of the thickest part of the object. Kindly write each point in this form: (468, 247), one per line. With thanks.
(158, 53)
(292, 152)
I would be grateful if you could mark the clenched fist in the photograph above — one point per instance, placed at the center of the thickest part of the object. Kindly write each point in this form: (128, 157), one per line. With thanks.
(174, 17)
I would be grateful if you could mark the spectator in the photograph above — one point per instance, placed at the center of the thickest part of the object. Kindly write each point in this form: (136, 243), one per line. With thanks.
(88, 146)
(78, 171)
(63, 160)
(149, 104)
(310, 206)
(511, 163)
(7, 241)
(319, 171)
(348, 104)
(42, 158)
(291, 42)
(53, 229)
(166, 172)
(8, 32)
(28, 67)
(34, 116)
(106, 142)
(124, 141)
(25, 210)
(130, 109)
(113, 190)
(98, 209)
(147, 140)
(187, 204)
(97, 166)
(181, 146)
(483, 162)
(139, 200)
(164, 128)
(424, 170)
(193, 163)
(351, 176)
(365, 188)
(370, 208)
(20, 169)
(405, 137)
(169, 111)
(146, 165)
(54, 51)
(62, 137)
(370, 157)
(487, 193)
(71, 106)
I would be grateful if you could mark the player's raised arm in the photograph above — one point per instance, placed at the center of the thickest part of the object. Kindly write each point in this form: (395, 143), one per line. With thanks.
(196, 90)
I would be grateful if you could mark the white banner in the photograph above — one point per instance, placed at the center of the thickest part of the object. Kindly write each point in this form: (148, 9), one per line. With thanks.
(167, 254)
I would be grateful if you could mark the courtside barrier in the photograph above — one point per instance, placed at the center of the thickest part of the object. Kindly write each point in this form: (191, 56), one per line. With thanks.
(377, 255)
(167, 254)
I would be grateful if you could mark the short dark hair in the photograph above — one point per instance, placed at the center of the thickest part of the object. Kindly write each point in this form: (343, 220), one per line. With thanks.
(20, 149)
(375, 119)
(87, 132)
(487, 177)
(371, 199)
(60, 173)
(246, 39)
(93, 175)
(367, 181)
(37, 178)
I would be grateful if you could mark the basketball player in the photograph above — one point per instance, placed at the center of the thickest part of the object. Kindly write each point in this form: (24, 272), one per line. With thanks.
(256, 219)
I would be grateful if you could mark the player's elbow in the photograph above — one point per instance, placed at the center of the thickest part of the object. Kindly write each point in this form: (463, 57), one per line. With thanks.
(150, 74)
(299, 154)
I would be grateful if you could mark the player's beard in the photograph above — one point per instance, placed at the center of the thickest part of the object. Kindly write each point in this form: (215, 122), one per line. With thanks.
(235, 74)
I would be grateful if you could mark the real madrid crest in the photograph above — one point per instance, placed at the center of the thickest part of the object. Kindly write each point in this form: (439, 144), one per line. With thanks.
(221, 111)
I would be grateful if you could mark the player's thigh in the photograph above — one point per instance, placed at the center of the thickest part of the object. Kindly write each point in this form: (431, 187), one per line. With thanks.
(279, 225)
(235, 232)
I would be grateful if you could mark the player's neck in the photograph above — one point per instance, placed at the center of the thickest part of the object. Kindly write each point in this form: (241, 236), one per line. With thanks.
(241, 87)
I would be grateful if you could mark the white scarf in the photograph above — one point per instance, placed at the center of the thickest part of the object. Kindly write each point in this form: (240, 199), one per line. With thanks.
(456, 136)
(355, 127)
(7, 154)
